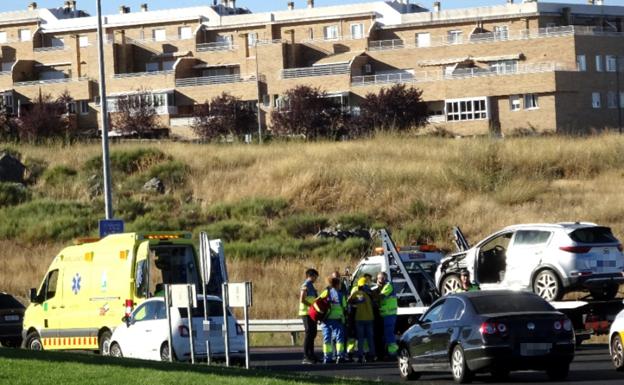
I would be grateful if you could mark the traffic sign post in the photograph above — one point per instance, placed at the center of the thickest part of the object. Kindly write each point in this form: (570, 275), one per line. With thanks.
(184, 295)
(111, 226)
(237, 295)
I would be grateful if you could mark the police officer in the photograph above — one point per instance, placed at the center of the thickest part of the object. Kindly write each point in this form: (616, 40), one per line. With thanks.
(307, 295)
(388, 306)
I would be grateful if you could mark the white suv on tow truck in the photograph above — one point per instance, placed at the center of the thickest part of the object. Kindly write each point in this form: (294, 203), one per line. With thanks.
(548, 259)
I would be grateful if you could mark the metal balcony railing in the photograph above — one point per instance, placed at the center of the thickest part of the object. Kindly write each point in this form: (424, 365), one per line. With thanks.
(141, 74)
(325, 70)
(51, 48)
(439, 41)
(210, 80)
(49, 81)
(216, 46)
(430, 76)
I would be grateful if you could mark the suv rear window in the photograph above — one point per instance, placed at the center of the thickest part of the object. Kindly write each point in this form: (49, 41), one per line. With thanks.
(8, 302)
(491, 304)
(593, 235)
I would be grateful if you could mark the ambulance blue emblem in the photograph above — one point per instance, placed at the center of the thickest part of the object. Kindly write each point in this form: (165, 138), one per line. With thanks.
(76, 283)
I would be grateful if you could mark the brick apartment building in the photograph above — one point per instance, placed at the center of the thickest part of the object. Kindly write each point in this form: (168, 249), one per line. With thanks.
(530, 64)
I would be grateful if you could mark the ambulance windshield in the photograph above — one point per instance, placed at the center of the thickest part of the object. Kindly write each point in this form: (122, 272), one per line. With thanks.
(168, 265)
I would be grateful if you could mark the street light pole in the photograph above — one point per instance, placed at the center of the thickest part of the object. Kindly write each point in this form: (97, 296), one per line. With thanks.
(618, 94)
(259, 94)
(108, 196)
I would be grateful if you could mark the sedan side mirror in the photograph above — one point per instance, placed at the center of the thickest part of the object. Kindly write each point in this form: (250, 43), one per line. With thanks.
(33, 296)
(127, 320)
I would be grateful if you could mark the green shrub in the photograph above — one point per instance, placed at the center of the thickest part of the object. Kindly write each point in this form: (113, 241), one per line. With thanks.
(46, 220)
(231, 230)
(349, 248)
(59, 175)
(128, 162)
(34, 169)
(153, 221)
(12, 194)
(173, 174)
(130, 209)
(247, 208)
(424, 231)
(302, 225)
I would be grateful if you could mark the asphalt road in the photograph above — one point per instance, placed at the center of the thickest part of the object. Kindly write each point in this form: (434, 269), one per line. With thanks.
(591, 366)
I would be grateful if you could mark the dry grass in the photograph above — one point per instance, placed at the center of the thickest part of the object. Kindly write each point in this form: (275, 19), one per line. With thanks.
(413, 185)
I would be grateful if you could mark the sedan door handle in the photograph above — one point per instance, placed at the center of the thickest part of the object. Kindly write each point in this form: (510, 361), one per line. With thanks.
(449, 330)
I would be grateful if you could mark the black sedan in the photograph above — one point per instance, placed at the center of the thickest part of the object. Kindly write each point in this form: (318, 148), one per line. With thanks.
(11, 318)
(488, 332)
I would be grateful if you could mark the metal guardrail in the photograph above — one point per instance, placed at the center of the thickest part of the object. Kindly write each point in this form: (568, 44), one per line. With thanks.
(209, 80)
(216, 46)
(49, 81)
(461, 74)
(139, 74)
(325, 70)
(292, 326)
(440, 41)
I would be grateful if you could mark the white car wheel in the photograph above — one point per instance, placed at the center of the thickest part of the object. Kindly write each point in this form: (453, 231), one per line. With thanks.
(451, 284)
(547, 285)
(405, 368)
(115, 350)
(461, 373)
(617, 352)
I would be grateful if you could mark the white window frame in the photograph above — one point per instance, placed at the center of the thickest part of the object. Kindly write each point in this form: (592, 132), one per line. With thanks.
(581, 63)
(466, 109)
(596, 100)
(359, 30)
(611, 99)
(501, 32)
(515, 103)
(185, 32)
(83, 41)
(531, 102)
(504, 66)
(423, 39)
(4, 37)
(331, 32)
(454, 36)
(599, 63)
(252, 38)
(25, 34)
(84, 107)
(611, 63)
(159, 34)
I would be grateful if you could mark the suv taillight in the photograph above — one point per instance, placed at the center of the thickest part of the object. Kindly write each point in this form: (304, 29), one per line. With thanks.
(576, 249)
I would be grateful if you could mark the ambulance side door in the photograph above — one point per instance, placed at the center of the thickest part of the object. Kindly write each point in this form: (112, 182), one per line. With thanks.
(51, 295)
(141, 272)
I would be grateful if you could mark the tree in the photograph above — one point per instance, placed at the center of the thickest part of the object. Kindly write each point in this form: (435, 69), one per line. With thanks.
(395, 108)
(8, 127)
(46, 118)
(135, 114)
(225, 115)
(307, 111)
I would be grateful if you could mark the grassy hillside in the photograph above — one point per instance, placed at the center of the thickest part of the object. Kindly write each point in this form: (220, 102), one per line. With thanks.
(44, 368)
(267, 202)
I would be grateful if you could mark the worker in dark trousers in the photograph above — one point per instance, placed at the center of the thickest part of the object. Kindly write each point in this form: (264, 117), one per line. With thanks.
(307, 295)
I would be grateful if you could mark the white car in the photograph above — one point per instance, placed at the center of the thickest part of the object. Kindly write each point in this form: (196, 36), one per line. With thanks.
(548, 259)
(616, 341)
(144, 335)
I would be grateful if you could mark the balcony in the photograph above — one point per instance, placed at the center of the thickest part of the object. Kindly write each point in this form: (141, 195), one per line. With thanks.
(216, 46)
(142, 74)
(487, 37)
(49, 81)
(323, 70)
(211, 80)
(50, 48)
(431, 76)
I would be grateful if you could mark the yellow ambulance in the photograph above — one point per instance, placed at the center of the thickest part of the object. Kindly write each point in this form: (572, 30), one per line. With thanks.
(89, 287)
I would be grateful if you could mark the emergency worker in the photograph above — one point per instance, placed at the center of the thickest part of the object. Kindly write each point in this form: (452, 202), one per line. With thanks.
(334, 326)
(362, 306)
(388, 306)
(307, 295)
(466, 284)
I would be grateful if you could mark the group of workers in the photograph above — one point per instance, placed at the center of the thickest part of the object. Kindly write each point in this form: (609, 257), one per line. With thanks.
(354, 318)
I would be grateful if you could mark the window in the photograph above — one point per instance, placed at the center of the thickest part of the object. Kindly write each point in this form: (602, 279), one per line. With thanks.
(599, 65)
(83, 41)
(311, 33)
(24, 35)
(48, 288)
(252, 38)
(185, 33)
(531, 101)
(372, 269)
(423, 39)
(501, 32)
(611, 63)
(611, 99)
(581, 64)
(357, 31)
(168, 65)
(71, 107)
(6, 100)
(84, 107)
(514, 103)
(434, 313)
(159, 34)
(57, 42)
(3, 37)
(150, 311)
(7, 66)
(596, 100)
(471, 109)
(595, 235)
(330, 32)
(531, 238)
(503, 303)
(151, 67)
(452, 309)
(504, 66)
(454, 37)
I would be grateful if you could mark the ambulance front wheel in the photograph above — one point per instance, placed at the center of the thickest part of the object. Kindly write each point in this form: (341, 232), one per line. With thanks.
(33, 341)
(104, 342)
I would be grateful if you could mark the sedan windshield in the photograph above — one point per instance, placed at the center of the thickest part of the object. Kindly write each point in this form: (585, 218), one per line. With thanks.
(504, 303)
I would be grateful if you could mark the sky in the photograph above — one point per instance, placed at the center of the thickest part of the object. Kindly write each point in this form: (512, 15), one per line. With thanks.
(112, 6)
